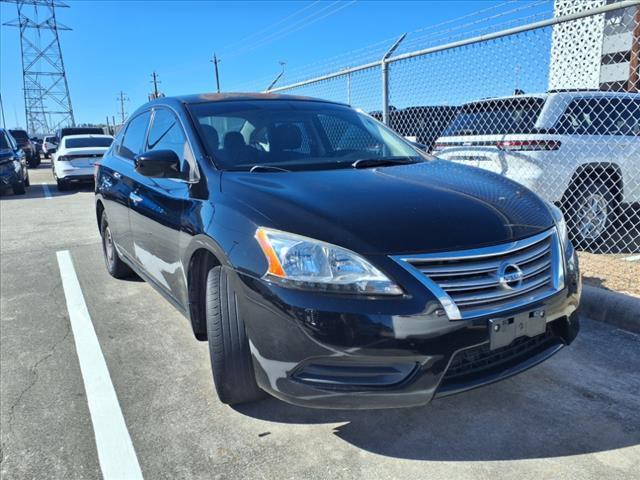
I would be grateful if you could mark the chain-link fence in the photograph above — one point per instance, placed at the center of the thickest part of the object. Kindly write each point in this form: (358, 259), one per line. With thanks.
(552, 104)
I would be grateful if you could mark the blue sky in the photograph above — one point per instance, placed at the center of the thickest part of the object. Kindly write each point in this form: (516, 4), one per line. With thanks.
(115, 45)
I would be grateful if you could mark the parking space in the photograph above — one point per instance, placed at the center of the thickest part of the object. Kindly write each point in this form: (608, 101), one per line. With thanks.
(575, 416)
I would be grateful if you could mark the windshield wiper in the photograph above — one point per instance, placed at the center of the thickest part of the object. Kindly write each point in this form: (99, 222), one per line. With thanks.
(257, 168)
(380, 161)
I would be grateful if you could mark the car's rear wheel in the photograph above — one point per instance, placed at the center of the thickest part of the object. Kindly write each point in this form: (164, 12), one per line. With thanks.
(32, 162)
(27, 182)
(62, 185)
(231, 363)
(590, 211)
(115, 265)
(18, 188)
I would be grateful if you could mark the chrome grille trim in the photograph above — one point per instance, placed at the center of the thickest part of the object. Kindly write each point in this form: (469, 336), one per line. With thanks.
(466, 281)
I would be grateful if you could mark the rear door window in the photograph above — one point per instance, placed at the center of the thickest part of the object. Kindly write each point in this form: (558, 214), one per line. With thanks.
(134, 136)
(497, 117)
(601, 116)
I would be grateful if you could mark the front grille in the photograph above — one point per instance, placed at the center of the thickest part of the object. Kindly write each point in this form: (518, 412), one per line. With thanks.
(484, 281)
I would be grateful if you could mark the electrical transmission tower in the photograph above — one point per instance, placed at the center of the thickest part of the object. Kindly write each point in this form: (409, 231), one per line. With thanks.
(47, 102)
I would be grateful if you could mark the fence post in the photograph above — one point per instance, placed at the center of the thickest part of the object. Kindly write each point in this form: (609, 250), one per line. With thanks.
(384, 68)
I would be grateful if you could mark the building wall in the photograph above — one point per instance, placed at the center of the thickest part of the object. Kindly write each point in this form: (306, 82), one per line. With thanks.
(593, 52)
(576, 47)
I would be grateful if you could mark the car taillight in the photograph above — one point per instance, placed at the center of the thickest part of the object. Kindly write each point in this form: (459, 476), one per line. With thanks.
(62, 158)
(528, 145)
(439, 146)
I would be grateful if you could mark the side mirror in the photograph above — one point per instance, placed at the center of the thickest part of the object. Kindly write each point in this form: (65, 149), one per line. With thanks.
(158, 164)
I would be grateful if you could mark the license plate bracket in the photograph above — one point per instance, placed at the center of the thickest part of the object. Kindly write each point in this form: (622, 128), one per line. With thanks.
(503, 331)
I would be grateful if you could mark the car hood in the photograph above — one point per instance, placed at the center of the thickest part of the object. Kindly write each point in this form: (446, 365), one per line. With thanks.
(425, 207)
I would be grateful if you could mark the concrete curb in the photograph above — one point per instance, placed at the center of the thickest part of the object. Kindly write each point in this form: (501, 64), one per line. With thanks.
(622, 311)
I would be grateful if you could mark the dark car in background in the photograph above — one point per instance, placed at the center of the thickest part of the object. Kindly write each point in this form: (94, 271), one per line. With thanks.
(27, 146)
(63, 132)
(14, 173)
(328, 261)
(420, 124)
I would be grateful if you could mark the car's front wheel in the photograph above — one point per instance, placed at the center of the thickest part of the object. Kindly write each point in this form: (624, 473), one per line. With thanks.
(590, 212)
(115, 265)
(231, 363)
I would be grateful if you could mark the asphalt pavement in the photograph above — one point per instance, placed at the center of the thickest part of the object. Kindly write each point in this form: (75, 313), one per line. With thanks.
(575, 416)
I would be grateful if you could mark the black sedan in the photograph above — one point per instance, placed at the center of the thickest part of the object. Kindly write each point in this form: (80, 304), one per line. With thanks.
(325, 259)
(13, 165)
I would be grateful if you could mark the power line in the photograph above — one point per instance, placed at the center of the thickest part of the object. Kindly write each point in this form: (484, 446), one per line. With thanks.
(371, 53)
(294, 27)
(268, 27)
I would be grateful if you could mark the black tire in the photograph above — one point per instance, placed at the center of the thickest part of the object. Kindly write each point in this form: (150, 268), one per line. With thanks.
(62, 185)
(591, 209)
(115, 265)
(231, 364)
(32, 162)
(18, 188)
(27, 182)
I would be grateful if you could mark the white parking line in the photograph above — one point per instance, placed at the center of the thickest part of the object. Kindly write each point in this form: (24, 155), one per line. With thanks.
(47, 192)
(116, 454)
(633, 258)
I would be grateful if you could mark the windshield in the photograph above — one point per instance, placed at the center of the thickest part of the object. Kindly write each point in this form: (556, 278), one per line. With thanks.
(294, 135)
(20, 135)
(4, 144)
(87, 142)
(498, 117)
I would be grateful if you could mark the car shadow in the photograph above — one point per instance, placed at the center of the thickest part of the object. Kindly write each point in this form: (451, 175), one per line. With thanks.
(44, 190)
(549, 411)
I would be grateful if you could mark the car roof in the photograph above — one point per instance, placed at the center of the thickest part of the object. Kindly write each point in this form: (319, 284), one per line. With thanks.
(559, 93)
(236, 97)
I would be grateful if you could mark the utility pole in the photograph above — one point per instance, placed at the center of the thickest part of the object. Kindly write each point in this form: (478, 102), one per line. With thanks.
(155, 82)
(109, 127)
(122, 98)
(215, 62)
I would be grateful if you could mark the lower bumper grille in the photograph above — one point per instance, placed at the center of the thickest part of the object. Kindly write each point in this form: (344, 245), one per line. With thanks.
(479, 361)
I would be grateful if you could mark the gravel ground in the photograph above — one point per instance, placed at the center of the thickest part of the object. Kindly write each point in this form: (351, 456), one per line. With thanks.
(612, 272)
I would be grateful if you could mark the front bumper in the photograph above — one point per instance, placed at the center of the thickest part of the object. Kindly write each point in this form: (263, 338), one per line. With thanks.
(8, 176)
(327, 351)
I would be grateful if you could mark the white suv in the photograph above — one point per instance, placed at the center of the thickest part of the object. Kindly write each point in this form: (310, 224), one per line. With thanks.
(578, 149)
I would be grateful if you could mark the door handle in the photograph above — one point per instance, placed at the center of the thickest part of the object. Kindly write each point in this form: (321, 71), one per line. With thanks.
(135, 198)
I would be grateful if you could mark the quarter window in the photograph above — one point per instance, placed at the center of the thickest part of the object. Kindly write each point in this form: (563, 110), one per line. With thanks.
(134, 136)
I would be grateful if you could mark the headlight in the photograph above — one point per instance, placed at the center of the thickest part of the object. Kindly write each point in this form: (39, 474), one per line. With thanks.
(561, 225)
(302, 262)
